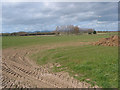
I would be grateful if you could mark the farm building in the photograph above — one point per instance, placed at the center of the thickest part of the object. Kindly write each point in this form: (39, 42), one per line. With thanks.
(71, 29)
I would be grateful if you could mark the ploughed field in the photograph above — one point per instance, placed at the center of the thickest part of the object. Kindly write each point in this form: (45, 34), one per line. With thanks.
(58, 62)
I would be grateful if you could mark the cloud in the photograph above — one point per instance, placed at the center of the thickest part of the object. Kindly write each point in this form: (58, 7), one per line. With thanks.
(46, 15)
(60, 1)
(100, 25)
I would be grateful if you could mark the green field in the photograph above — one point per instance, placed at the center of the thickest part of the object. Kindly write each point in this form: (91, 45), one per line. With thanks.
(97, 63)
(93, 64)
(20, 41)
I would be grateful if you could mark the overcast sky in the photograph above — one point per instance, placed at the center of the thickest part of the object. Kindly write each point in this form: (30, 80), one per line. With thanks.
(40, 16)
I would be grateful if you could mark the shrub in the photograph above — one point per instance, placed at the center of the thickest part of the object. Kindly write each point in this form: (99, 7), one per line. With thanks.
(94, 32)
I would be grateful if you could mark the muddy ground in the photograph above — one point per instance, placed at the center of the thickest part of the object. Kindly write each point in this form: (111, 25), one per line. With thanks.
(19, 71)
(111, 41)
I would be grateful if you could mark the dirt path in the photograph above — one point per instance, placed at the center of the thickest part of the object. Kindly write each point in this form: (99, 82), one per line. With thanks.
(20, 72)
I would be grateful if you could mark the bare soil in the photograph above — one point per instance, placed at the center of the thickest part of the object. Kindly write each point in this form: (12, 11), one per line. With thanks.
(19, 71)
(112, 41)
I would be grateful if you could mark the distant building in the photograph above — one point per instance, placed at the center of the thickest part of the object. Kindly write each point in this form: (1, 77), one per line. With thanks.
(71, 29)
(86, 30)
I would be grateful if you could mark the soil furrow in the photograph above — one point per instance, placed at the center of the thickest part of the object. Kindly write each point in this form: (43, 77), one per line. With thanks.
(21, 72)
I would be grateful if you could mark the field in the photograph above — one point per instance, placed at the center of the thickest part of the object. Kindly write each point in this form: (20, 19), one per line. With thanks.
(20, 41)
(96, 65)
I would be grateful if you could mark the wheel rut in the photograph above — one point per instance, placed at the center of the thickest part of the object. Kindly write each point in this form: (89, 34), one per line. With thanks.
(18, 71)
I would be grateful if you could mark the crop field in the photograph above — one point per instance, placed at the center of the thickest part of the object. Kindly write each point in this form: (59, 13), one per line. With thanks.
(95, 65)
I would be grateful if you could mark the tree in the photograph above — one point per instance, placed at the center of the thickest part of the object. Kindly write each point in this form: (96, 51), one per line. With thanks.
(94, 32)
(76, 29)
(57, 31)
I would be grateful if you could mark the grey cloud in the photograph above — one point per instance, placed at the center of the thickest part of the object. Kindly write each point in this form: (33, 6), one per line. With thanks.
(57, 13)
(29, 12)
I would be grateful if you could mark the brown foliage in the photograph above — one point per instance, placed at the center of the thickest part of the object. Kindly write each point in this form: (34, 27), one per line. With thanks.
(76, 29)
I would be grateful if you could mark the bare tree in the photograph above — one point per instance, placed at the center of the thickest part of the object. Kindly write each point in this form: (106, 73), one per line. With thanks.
(76, 30)
(71, 29)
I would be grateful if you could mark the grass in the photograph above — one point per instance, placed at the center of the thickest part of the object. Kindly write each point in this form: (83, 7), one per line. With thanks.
(21, 41)
(98, 64)
(94, 64)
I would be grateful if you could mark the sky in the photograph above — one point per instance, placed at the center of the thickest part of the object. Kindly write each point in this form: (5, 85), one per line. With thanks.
(41, 16)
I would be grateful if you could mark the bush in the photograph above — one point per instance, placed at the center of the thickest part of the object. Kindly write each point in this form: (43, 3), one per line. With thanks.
(89, 33)
(94, 32)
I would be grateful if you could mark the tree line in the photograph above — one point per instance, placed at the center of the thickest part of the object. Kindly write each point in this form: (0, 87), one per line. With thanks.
(71, 29)
(28, 34)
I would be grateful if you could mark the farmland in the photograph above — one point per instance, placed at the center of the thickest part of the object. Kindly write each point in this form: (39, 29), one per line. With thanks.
(20, 41)
(96, 65)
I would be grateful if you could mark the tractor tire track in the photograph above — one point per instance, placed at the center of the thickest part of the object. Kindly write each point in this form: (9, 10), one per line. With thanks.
(18, 71)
